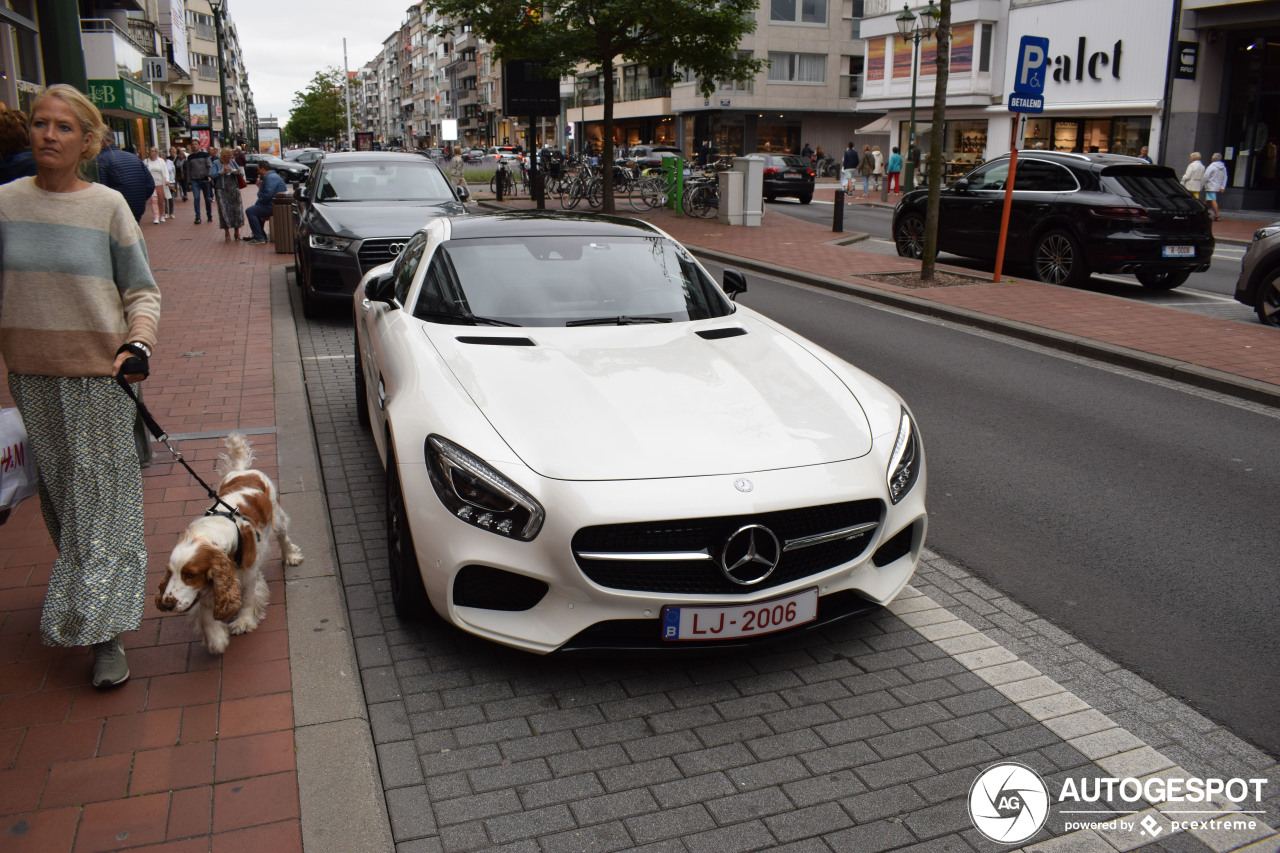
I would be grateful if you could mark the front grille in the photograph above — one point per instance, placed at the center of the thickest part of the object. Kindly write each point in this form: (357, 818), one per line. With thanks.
(377, 251)
(704, 577)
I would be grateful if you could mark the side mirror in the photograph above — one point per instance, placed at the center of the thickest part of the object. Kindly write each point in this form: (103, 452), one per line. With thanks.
(961, 186)
(734, 283)
(301, 193)
(462, 193)
(380, 288)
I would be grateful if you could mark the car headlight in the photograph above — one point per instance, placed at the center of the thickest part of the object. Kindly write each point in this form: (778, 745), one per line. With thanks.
(476, 493)
(904, 462)
(329, 243)
(1266, 231)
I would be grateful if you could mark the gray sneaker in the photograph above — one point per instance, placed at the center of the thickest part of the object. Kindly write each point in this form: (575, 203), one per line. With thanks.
(109, 666)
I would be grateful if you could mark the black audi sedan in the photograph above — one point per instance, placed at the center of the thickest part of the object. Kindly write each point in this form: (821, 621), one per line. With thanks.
(787, 176)
(357, 212)
(1072, 215)
(292, 171)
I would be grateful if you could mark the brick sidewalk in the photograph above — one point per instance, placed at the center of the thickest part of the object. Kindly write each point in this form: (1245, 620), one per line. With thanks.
(195, 752)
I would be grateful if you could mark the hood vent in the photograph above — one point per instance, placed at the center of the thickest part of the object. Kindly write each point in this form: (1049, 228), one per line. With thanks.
(496, 341)
(717, 334)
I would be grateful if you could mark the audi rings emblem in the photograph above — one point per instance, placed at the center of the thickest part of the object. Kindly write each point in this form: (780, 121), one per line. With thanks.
(750, 555)
(742, 484)
(395, 249)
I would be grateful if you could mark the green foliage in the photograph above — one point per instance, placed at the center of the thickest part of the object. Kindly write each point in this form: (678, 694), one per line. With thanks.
(320, 111)
(701, 36)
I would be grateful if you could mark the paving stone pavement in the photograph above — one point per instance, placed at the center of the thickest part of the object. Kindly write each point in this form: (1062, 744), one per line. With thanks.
(863, 736)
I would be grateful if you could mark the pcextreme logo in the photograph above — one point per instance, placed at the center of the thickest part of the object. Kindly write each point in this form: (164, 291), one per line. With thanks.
(1008, 803)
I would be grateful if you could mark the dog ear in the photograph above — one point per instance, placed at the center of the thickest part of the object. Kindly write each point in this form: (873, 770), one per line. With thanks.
(226, 585)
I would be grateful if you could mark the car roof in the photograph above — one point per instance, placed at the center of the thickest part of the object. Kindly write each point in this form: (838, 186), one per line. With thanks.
(337, 158)
(533, 223)
(1075, 158)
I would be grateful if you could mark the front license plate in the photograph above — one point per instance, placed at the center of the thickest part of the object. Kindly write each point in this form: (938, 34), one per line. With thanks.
(1179, 251)
(742, 620)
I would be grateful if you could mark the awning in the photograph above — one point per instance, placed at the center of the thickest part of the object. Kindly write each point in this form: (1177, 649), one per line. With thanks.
(124, 99)
(176, 119)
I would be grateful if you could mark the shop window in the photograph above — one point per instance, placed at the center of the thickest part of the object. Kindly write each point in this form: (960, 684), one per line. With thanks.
(797, 67)
(798, 11)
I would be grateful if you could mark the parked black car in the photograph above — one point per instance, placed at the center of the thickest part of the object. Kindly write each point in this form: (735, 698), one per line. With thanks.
(1259, 282)
(293, 171)
(1073, 215)
(787, 176)
(357, 211)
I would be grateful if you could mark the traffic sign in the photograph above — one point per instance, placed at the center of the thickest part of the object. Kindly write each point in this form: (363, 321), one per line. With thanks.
(1019, 103)
(1033, 61)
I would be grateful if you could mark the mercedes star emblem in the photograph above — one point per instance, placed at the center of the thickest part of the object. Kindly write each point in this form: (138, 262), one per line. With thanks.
(750, 555)
(742, 484)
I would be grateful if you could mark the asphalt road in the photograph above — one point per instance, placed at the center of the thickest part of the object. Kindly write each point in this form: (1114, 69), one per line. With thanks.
(1208, 293)
(1133, 512)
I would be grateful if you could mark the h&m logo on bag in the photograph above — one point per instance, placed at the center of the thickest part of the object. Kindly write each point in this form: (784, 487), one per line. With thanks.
(13, 457)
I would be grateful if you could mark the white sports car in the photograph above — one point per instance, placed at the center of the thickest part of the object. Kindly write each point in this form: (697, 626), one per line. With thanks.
(589, 444)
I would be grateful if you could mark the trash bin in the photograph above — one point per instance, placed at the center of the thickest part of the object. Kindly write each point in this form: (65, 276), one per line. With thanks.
(282, 222)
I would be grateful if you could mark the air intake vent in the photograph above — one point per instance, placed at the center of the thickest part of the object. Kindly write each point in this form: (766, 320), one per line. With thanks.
(495, 589)
(899, 545)
(717, 334)
(496, 342)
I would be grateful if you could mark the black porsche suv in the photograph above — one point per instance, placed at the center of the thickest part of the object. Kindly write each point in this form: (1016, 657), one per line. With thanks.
(1073, 215)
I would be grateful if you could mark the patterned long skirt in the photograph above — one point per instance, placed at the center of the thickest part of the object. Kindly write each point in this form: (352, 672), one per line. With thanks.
(80, 431)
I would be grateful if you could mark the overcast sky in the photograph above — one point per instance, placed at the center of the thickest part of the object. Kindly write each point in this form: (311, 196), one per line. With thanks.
(285, 42)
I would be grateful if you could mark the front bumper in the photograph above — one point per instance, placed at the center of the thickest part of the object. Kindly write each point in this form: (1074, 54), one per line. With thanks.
(577, 613)
(333, 276)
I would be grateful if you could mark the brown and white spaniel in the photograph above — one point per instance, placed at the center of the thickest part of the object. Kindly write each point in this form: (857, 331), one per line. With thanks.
(215, 569)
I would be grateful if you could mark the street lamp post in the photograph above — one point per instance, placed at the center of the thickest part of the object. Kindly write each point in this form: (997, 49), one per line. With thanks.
(219, 9)
(915, 30)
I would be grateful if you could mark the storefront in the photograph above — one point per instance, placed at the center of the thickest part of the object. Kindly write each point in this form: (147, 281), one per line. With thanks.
(132, 113)
(1105, 79)
(1251, 144)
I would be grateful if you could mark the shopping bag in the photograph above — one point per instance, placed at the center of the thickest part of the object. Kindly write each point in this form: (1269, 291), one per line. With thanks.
(17, 467)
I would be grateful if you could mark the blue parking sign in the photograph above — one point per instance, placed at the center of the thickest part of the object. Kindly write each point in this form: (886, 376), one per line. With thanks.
(1033, 62)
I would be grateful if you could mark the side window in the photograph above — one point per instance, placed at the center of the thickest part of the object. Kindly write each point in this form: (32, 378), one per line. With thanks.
(1060, 180)
(990, 177)
(1039, 176)
(441, 295)
(407, 265)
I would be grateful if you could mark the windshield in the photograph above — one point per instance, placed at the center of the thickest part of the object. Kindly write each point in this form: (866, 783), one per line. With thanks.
(555, 281)
(404, 180)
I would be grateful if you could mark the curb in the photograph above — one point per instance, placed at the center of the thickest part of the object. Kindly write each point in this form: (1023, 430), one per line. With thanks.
(340, 796)
(1144, 362)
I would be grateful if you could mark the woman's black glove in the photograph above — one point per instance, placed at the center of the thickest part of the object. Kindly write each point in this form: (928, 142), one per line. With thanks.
(137, 364)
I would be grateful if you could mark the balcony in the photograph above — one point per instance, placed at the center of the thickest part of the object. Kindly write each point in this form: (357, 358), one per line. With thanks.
(851, 85)
(462, 68)
(207, 72)
(143, 33)
(205, 31)
(109, 52)
(463, 98)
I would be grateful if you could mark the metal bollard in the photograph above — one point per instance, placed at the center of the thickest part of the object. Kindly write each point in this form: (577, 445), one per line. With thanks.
(502, 178)
(837, 217)
(884, 187)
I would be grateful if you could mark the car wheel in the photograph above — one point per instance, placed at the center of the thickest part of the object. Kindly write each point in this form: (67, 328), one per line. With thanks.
(909, 236)
(362, 391)
(1268, 302)
(1162, 279)
(805, 199)
(1057, 259)
(408, 595)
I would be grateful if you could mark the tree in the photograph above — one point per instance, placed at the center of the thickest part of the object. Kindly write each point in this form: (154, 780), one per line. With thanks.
(701, 36)
(943, 35)
(320, 111)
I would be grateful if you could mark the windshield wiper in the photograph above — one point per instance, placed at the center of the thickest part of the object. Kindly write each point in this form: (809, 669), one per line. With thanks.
(462, 319)
(622, 320)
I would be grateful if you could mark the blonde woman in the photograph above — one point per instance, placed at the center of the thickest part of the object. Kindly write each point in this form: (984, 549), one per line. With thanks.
(80, 309)
(226, 191)
(159, 170)
(878, 173)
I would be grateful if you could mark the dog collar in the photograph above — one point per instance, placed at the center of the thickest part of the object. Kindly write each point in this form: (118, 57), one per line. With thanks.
(231, 517)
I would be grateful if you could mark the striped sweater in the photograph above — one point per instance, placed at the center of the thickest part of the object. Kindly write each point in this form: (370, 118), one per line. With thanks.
(75, 282)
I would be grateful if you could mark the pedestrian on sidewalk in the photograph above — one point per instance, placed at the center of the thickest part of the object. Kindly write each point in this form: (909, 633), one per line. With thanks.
(80, 308)
(226, 189)
(199, 168)
(180, 171)
(866, 167)
(269, 184)
(849, 168)
(15, 147)
(878, 172)
(894, 168)
(160, 174)
(1193, 177)
(125, 174)
(172, 187)
(1215, 182)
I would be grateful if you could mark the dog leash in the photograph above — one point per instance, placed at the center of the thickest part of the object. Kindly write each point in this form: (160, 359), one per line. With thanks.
(163, 437)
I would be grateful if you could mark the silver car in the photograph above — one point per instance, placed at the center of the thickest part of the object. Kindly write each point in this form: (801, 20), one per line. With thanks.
(1259, 282)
